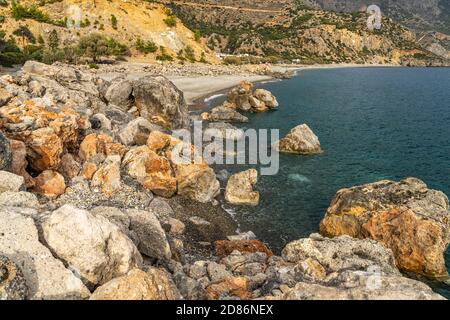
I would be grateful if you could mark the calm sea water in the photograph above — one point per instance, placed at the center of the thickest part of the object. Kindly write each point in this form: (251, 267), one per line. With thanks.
(373, 124)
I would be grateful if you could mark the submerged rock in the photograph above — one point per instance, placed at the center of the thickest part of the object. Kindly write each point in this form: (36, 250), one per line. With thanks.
(239, 190)
(300, 140)
(407, 217)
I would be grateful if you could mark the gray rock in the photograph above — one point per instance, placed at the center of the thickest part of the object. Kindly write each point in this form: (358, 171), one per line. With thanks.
(119, 93)
(198, 269)
(136, 132)
(5, 152)
(18, 199)
(99, 121)
(203, 229)
(10, 181)
(13, 285)
(161, 208)
(249, 235)
(152, 238)
(46, 277)
(225, 114)
(90, 244)
(223, 130)
(217, 272)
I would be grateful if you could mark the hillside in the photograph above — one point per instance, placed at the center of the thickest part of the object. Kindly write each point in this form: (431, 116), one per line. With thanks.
(144, 30)
(298, 30)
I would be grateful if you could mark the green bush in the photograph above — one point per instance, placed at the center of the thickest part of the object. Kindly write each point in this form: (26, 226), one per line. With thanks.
(114, 22)
(171, 21)
(20, 12)
(146, 46)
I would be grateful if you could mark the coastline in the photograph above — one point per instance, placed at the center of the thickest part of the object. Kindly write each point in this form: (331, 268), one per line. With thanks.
(197, 89)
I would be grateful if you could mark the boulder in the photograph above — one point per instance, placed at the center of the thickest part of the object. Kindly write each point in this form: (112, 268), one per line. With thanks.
(159, 101)
(226, 247)
(50, 184)
(5, 152)
(225, 114)
(136, 132)
(18, 199)
(19, 162)
(152, 238)
(224, 131)
(155, 284)
(45, 276)
(69, 166)
(237, 287)
(119, 93)
(197, 182)
(10, 182)
(5, 97)
(239, 190)
(13, 285)
(107, 177)
(300, 140)
(407, 217)
(267, 98)
(91, 244)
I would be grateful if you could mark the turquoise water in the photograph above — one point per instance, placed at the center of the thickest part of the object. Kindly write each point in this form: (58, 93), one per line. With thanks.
(373, 124)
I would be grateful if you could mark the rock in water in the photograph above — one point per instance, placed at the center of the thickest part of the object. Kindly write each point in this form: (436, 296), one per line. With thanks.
(155, 284)
(5, 152)
(300, 140)
(345, 268)
(224, 114)
(239, 188)
(405, 216)
(267, 97)
(12, 282)
(90, 244)
(46, 276)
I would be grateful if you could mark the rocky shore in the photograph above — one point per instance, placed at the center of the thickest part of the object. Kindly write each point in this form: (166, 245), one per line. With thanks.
(94, 204)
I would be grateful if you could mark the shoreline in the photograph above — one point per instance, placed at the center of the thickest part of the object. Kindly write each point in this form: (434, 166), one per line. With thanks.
(197, 89)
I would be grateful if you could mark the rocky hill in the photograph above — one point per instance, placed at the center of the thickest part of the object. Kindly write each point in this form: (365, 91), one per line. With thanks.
(292, 30)
(135, 30)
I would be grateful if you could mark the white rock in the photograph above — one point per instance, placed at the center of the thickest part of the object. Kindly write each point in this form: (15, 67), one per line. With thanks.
(10, 181)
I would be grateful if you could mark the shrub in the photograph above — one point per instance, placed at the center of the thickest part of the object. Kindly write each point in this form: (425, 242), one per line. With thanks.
(146, 46)
(170, 21)
(114, 22)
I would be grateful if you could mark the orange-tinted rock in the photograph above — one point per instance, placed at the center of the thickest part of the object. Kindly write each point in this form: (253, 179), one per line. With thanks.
(226, 247)
(229, 287)
(19, 162)
(407, 217)
(197, 182)
(89, 168)
(158, 141)
(44, 149)
(88, 147)
(107, 176)
(50, 184)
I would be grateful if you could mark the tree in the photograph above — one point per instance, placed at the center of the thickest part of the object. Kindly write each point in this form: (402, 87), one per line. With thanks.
(94, 46)
(53, 40)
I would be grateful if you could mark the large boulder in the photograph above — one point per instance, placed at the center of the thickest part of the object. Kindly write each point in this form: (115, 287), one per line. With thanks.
(13, 285)
(46, 277)
(10, 182)
(345, 268)
(267, 98)
(300, 140)
(197, 182)
(159, 101)
(90, 244)
(155, 284)
(152, 238)
(239, 188)
(407, 217)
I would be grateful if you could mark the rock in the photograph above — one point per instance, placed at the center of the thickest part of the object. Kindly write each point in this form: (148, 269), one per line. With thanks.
(300, 140)
(267, 98)
(217, 272)
(45, 276)
(175, 226)
(197, 182)
(155, 284)
(100, 122)
(152, 238)
(249, 235)
(161, 208)
(18, 199)
(136, 132)
(198, 269)
(88, 147)
(203, 229)
(230, 287)
(224, 131)
(69, 166)
(13, 285)
(159, 101)
(19, 162)
(239, 190)
(225, 114)
(50, 184)
(91, 244)
(89, 169)
(10, 181)
(5, 96)
(405, 216)
(257, 105)
(5, 152)
(226, 247)
(119, 93)
(107, 177)
(152, 171)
